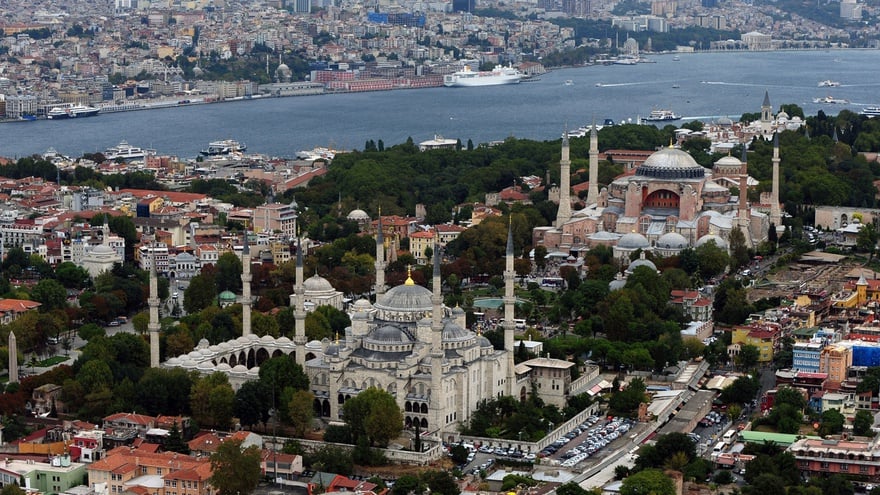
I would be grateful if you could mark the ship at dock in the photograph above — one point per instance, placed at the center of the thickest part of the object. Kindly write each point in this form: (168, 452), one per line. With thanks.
(71, 111)
(469, 78)
(224, 147)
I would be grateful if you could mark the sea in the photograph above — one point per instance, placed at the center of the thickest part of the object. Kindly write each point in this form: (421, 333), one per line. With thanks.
(697, 86)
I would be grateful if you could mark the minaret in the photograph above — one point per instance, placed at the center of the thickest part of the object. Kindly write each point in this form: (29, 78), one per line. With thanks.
(744, 215)
(380, 259)
(775, 214)
(593, 191)
(299, 311)
(105, 231)
(564, 211)
(437, 398)
(13, 358)
(246, 286)
(509, 324)
(153, 326)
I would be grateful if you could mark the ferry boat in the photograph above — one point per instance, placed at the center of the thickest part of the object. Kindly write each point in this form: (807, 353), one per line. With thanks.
(125, 151)
(468, 78)
(316, 154)
(828, 83)
(223, 147)
(568, 82)
(71, 111)
(873, 111)
(661, 116)
(831, 100)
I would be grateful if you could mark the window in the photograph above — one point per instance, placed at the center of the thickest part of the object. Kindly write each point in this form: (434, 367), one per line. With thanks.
(844, 467)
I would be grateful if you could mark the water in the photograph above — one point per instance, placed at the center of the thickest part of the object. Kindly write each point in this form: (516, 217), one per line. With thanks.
(710, 85)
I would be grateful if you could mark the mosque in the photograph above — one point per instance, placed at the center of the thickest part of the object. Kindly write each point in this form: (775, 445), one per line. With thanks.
(665, 205)
(406, 343)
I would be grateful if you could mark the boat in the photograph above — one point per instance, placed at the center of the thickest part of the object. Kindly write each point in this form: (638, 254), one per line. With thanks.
(316, 154)
(828, 83)
(675, 86)
(873, 111)
(468, 78)
(125, 151)
(661, 116)
(831, 100)
(676, 58)
(71, 111)
(569, 82)
(224, 147)
(27, 117)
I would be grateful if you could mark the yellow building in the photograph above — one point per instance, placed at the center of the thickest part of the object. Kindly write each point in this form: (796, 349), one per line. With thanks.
(764, 338)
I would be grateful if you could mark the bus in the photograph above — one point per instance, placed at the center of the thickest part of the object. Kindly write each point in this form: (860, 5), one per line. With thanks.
(729, 437)
(719, 448)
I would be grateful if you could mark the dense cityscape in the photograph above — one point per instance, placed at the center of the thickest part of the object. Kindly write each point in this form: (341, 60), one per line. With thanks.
(661, 307)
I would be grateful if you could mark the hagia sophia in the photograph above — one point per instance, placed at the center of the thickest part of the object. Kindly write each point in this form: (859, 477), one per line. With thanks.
(666, 204)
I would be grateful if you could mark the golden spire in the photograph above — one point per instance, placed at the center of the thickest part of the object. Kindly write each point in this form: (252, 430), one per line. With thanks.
(409, 280)
(337, 338)
(670, 143)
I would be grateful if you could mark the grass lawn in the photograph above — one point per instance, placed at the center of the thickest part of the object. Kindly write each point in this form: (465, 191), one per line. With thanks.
(52, 361)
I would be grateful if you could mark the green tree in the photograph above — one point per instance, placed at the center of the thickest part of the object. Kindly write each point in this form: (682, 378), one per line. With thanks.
(862, 423)
(51, 294)
(235, 470)
(229, 270)
(373, 413)
(867, 240)
(747, 357)
(12, 489)
(832, 422)
(408, 484)
(212, 401)
(441, 482)
(281, 372)
(648, 482)
(300, 411)
(201, 292)
(252, 403)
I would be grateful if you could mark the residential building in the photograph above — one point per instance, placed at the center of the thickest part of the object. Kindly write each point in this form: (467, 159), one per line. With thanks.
(835, 360)
(49, 478)
(11, 309)
(859, 457)
(128, 470)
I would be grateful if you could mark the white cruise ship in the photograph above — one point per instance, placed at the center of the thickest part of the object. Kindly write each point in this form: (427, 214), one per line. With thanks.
(497, 76)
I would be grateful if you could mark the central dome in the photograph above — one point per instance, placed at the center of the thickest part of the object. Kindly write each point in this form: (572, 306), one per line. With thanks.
(408, 297)
(671, 163)
(317, 283)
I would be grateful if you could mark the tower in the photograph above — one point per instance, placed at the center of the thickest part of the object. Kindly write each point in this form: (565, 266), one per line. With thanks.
(436, 346)
(593, 191)
(13, 358)
(380, 259)
(743, 217)
(564, 211)
(775, 214)
(153, 303)
(246, 286)
(509, 300)
(105, 231)
(766, 114)
(299, 311)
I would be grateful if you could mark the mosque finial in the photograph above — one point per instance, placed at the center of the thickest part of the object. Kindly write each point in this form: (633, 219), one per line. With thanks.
(409, 280)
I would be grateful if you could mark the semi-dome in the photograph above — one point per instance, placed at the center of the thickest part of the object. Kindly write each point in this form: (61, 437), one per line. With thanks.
(388, 334)
(672, 240)
(709, 238)
(671, 164)
(317, 283)
(408, 297)
(483, 342)
(633, 240)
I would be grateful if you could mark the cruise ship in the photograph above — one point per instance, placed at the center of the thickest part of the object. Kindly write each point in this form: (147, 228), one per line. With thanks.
(661, 116)
(224, 147)
(72, 110)
(873, 111)
(497, 76)
(831, 100)
(125, 151)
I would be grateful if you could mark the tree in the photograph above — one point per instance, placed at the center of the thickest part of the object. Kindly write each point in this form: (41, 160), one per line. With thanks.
(229, 270)
(648, 482)
(51, 294)
(862, 423)
(12, 489)
(281, 372)
(212, 401)
(867, 239)
(252, 403)
(300, 411)
(832, 422)
(200, 293)
(373, 413)
(441, 482)
(235, 470)
(408, 484)
(748, 356)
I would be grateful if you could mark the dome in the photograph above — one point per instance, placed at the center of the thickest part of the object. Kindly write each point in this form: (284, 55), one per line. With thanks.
(641, 262)
(358, 216)
(483, 342)
(267, 339)
(671, 164)
(332, 350)
(227, 295)
(317, 283)
(633, 241)
(389, 334)
(408, 297)
(672, 240)
(729, 161)
(725, 122)
(454, 333)
(617, 284)
(314, 345)
(712, 237)
(102, 250)
(362, 305)
(604, 235)
(457, 311)
(283, 340)
(223, 367)
(781, 116)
